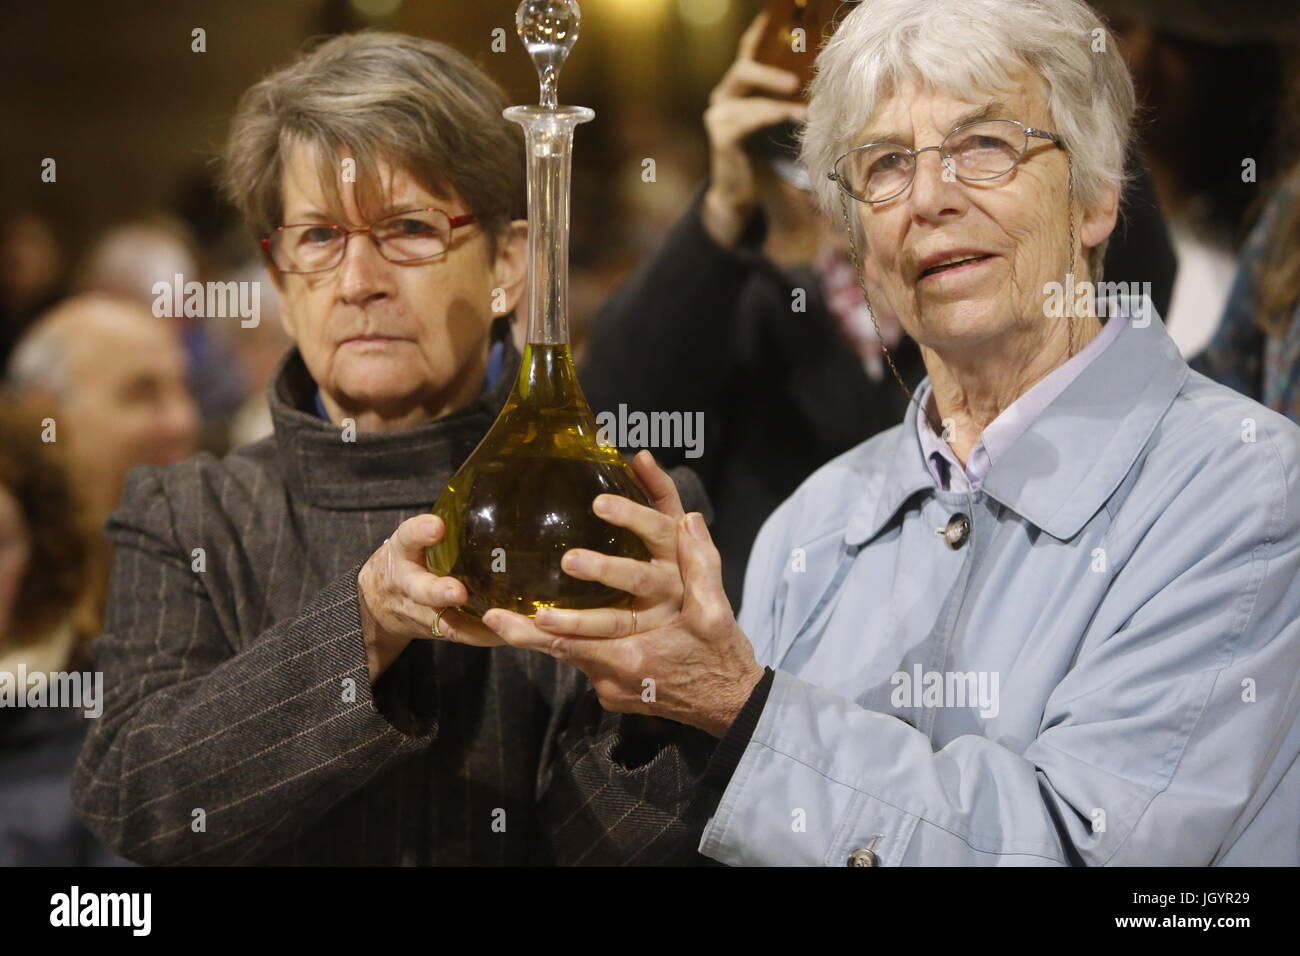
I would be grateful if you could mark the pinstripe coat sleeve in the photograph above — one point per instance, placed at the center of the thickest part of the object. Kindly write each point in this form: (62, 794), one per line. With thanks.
(206, 755)
(627, 789)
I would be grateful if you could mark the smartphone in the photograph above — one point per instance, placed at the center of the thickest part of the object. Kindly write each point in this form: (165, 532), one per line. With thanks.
(793, 35)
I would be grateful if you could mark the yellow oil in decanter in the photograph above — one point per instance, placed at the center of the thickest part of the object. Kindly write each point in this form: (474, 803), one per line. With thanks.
(523, 498)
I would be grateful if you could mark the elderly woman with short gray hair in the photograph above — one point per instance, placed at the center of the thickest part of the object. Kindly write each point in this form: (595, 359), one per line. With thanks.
(1051, 618)
(275, 691)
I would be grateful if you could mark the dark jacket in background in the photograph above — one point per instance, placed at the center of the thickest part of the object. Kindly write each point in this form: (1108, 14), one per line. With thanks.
(38, 749)
(239, 722)
(703, 328)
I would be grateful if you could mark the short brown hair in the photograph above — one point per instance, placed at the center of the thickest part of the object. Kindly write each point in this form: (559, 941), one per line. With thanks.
(33, 471)
(416, 103)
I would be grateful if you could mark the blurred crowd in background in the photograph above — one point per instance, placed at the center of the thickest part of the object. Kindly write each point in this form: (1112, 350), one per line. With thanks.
(96, 382)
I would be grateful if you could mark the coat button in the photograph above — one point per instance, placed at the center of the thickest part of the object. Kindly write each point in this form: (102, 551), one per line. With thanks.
(956, 531)
(865, 856)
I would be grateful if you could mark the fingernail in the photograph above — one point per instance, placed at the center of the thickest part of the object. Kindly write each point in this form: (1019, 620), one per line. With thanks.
(695, 525)
(601, 505)
(545, 615)
(571, 561)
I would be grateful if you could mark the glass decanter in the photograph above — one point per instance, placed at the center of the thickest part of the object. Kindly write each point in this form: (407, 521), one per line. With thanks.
(524, 496)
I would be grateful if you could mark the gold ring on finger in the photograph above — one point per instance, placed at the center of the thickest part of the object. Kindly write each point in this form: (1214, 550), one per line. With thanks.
(437, 620)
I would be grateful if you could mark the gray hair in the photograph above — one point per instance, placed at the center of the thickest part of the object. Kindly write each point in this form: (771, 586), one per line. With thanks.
(42, 361)
(39, 363)
(373, 95)
(959, 46)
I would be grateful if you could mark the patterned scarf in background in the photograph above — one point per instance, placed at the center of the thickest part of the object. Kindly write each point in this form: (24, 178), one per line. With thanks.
(844, 299)
(1241, 355)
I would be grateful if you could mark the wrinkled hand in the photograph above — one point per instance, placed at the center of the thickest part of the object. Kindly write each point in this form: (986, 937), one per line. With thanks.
(399, 598)
(734, 113)
(682, 655)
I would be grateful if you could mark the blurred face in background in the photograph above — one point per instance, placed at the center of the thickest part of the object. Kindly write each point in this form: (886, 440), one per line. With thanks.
(127, 260)
(29, 262)
(125, 402)
(393, 344)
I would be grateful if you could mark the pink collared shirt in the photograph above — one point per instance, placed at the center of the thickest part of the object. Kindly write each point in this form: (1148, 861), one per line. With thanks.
(1015, 419)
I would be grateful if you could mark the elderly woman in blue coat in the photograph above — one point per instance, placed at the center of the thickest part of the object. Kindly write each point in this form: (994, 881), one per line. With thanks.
(1051, 618)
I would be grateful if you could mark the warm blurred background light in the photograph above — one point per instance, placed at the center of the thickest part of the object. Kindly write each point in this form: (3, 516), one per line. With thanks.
(703, 13)
(114, 94)
(133, 117)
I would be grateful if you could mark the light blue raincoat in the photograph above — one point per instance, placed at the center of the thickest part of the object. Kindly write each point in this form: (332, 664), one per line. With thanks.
(1106, 671)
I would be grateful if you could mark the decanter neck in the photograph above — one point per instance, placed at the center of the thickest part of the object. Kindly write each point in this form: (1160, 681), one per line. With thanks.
(548, 136)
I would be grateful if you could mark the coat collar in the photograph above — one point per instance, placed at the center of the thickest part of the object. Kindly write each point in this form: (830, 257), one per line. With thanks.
(1073, 457)
(403, 469)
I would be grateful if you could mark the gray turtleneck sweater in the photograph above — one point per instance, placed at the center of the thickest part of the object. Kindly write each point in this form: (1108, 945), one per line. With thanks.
(240, 726)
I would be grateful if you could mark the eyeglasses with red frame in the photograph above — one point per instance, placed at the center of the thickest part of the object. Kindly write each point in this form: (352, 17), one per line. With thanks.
(415, 235)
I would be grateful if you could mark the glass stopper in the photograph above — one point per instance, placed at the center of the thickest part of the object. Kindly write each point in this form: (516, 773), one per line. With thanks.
(548, 29)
